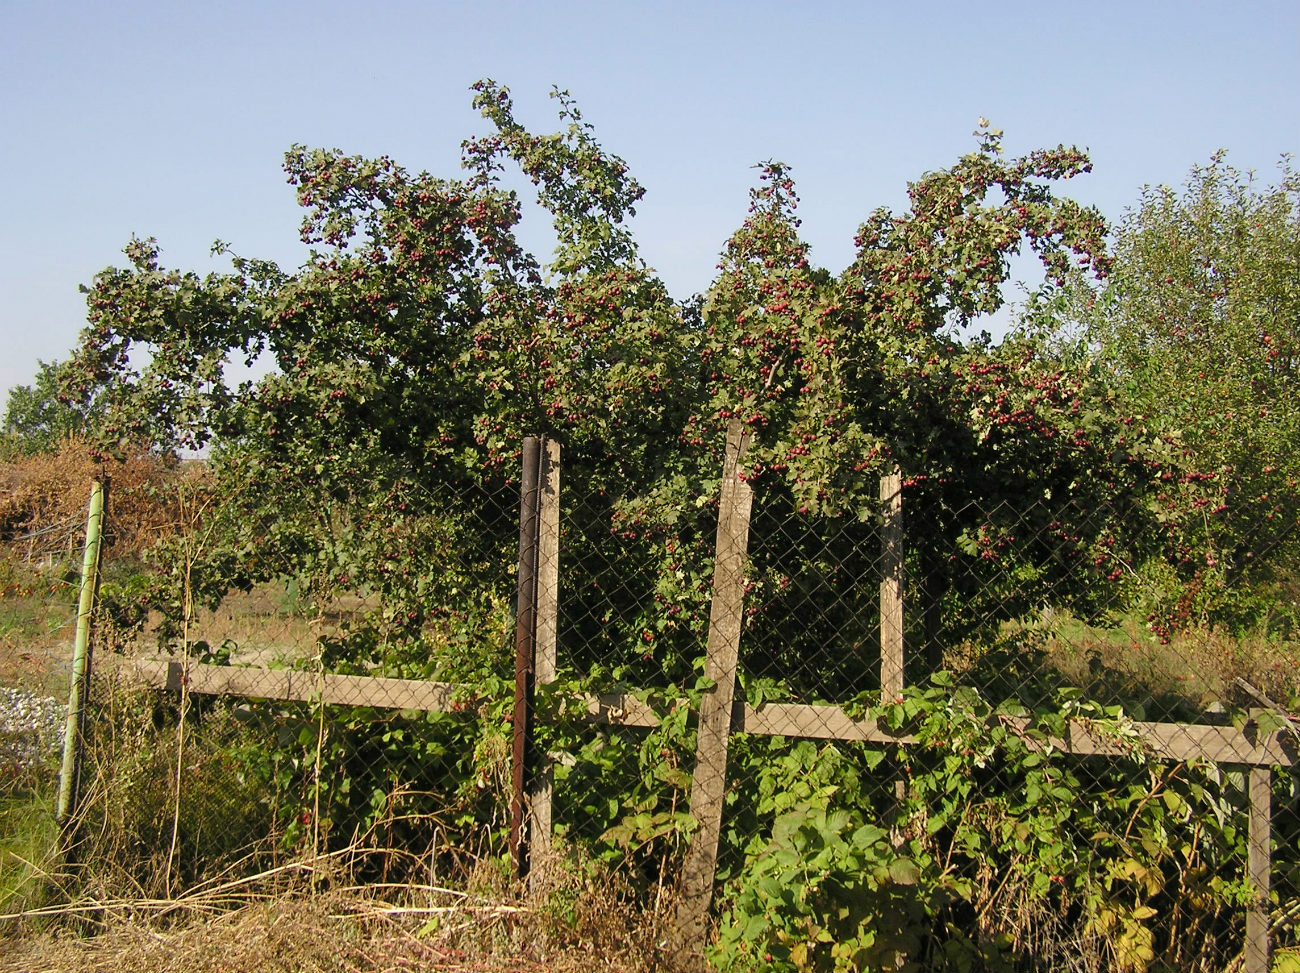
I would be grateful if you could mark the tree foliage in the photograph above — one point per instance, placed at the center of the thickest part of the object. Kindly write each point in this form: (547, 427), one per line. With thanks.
(421, 341)
(1197, 331)
(37, 420)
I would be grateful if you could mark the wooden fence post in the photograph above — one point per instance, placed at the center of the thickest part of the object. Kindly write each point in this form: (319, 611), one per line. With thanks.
(891, 586)
(1260, 795)
(708, 785)
(545, 657)
(525, 647)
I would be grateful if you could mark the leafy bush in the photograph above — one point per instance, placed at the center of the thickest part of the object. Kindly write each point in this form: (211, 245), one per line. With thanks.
(999, 853)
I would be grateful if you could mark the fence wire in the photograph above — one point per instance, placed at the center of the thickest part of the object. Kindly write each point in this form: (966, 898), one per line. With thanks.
(1042, 794)
(339, 677)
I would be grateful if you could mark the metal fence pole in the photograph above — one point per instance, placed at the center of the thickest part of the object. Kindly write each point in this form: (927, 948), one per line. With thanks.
(77, 690)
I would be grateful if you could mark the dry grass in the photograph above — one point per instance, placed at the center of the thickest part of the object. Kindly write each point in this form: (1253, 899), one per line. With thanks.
(36, 631)
(43, 509)
(265, 625)
(1200, 665)
(572, 922)
(315, 935)
(43, 502)
(262, 626)
(1199, 671)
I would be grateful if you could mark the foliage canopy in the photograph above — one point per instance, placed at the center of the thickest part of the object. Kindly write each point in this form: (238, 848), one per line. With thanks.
(37, 420)
(421, 341)
(1197, 333)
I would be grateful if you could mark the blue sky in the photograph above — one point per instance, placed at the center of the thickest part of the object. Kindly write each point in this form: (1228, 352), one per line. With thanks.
(171, 119)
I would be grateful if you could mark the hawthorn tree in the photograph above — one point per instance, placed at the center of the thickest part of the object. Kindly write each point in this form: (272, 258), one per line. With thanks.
(420, 342)
(1020, 483)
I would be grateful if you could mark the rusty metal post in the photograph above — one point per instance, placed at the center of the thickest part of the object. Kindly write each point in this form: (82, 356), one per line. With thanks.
(525, 650)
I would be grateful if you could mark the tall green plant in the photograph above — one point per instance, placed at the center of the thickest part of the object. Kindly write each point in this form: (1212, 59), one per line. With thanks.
(1198, 333)
(1004, 853)
(39, 420)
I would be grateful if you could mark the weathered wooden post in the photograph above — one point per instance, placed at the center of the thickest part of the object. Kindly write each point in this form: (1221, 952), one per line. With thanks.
(708, 785)
(525, 647)
(536, 620)
(1259, 836)
(891, 586)
(892, 662)
(545, 661)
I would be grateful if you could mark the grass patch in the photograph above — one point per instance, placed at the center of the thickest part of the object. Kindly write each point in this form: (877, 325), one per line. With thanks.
(28, 847)
(36, 634)
(270, 624)
(1194, 676)
(1195, 671)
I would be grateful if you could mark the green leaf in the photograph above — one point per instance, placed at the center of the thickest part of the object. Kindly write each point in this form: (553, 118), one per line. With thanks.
(904, 871)
(867, 836)
(1268, 722)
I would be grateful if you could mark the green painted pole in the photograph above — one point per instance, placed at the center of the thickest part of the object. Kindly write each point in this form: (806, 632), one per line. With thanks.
(81, 657)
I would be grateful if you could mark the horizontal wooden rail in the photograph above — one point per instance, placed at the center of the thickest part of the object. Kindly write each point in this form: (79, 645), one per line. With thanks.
(1169, 741)
(295, 684)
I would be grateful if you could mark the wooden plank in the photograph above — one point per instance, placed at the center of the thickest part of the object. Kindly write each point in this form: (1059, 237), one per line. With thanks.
(290, 684)
(708, 785)
(812, 722)
(1167, 741)
(823, 721)
(1257, 869)
(545, 660)
(621, 709)
(816, 721)
(1187, 741)
(891, 586)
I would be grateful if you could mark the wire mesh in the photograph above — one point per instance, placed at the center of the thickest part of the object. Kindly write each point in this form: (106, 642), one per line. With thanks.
(336, 676)
(1042, 792)
(1066, 781)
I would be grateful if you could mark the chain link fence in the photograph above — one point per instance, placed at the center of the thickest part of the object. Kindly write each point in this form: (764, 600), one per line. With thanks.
(966, 733)
(1088, 765)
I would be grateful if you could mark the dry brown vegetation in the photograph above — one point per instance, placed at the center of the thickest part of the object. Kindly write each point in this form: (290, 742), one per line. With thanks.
(43, 502)
(43, 508)
(1196, 670)
(281, 921)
